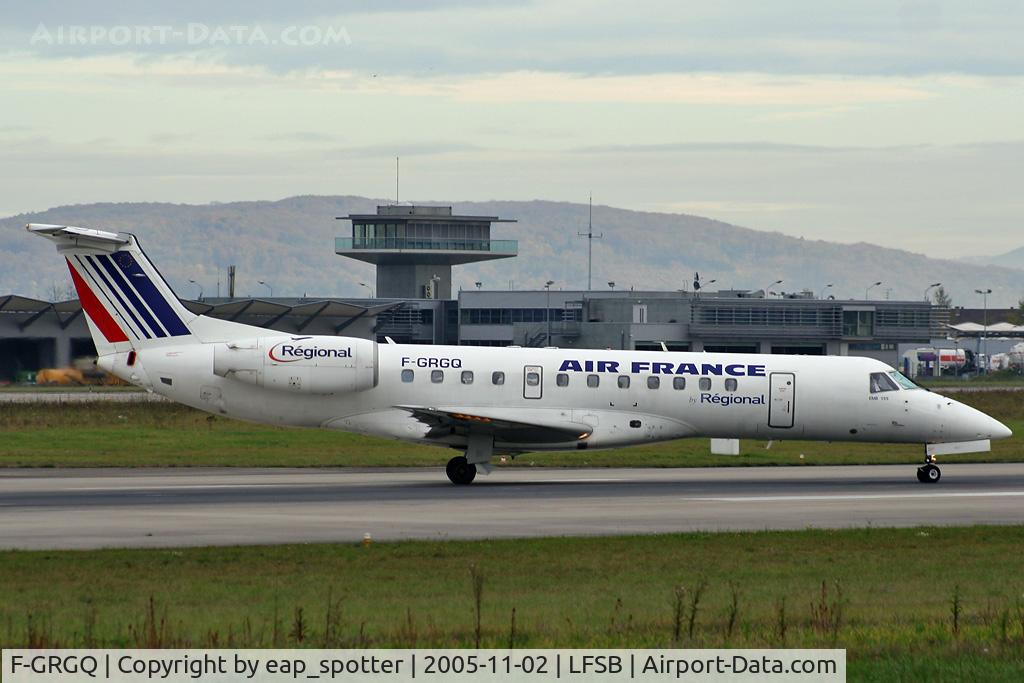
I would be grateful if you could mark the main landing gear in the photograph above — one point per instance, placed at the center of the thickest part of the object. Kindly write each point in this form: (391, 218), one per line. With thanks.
(461, 471)
(929, 473)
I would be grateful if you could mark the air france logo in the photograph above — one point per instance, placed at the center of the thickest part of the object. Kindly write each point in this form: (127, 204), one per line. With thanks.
(658, 368)
(287, 352)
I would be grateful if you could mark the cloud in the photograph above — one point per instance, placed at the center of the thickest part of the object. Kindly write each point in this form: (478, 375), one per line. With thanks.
(406, 38)
(704, 88)
(520, 86)
(311, 136)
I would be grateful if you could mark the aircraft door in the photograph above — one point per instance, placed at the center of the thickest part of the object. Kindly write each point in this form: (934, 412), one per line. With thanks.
(533, 381)
(783, 399)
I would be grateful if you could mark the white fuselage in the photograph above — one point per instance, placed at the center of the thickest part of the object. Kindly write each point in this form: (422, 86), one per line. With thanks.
(608, 397)
(488, 400)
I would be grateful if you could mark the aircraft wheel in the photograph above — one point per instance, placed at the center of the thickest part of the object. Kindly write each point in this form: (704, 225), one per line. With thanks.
(460, 471)
(928, 474)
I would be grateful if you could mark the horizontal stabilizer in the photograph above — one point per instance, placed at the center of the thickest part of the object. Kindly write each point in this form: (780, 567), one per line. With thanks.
(83, 237)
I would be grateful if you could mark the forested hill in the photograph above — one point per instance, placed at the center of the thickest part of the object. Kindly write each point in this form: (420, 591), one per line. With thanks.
(290, 245)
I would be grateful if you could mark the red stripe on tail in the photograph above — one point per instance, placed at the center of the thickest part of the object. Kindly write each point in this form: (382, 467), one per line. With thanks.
(95, 310)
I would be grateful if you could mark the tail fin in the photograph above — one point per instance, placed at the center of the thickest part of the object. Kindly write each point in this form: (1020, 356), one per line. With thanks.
(127, 303)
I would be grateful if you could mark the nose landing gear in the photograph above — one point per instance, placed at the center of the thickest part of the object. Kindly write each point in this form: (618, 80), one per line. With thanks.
(929, 473)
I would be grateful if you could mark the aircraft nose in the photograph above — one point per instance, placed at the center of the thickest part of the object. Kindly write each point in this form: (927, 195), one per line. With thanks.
(988, 427)
(999, 430)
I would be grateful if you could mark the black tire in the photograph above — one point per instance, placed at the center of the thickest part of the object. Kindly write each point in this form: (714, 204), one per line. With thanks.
(460, 471)
(920, 475)
(929, 474)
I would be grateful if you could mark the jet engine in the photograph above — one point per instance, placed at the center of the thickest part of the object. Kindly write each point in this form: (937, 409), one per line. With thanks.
(308, 365)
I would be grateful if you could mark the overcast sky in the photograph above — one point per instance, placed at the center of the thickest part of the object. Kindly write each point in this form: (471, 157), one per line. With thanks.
(888, 122)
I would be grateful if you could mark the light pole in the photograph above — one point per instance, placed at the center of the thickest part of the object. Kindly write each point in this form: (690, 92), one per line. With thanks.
(766, 292)
(870, 287)
(478, 284)
(984, 333)
(368, 288)
(200, 289)
(930, 288)
(831, 284)
(268, 287)
(611, 284)
(547, 307)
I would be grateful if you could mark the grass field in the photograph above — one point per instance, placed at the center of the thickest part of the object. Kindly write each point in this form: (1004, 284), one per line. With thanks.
(992, 379)
(155, 434)
(67, 389)
(908, 602)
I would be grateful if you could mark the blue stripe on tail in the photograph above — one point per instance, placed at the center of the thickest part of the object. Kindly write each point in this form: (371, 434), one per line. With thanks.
(129, 294)
(157, 303)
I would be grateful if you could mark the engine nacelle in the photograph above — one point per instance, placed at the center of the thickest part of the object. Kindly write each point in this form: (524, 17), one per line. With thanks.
(308, 365)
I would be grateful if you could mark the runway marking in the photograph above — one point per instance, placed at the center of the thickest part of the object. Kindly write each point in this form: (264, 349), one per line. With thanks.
(866, 496)
(176, 487)
(569, 481)
(166, 487)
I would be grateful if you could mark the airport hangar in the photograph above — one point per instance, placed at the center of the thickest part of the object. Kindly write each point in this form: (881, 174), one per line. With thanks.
(414, 249)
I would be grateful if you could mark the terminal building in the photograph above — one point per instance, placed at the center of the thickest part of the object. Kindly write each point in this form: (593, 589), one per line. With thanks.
(415, 248)
(36, 334)
(728, 321)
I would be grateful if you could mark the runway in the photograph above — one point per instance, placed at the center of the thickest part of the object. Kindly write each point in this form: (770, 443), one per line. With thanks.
(52, 509)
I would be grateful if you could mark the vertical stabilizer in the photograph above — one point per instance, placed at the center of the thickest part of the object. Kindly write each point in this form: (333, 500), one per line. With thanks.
(127, 302)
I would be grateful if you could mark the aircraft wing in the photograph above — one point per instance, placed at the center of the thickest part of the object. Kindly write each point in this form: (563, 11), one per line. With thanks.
(505, 425)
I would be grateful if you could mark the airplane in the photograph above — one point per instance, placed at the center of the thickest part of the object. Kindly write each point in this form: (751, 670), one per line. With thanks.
(484, 401)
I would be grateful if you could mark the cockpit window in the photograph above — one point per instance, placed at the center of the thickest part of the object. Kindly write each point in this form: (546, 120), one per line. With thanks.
(903, 380)
(880, 382)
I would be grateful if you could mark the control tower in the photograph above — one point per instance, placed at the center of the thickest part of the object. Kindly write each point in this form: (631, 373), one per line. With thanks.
(415, 247)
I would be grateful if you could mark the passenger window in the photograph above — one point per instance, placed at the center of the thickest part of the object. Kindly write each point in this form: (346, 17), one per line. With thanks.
(705, 384)
(623, 381)
(882, 382)
(532, 379)
(730, 384)
(593, 381)
(653, 382)
(678, 383)
(467, 376)
(408, 375)
(562, 379)
(498, 378)
(437, 376)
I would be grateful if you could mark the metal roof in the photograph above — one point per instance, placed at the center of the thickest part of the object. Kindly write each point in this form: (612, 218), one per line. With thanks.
(419, 217)
(230, 310)
(12, 303)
